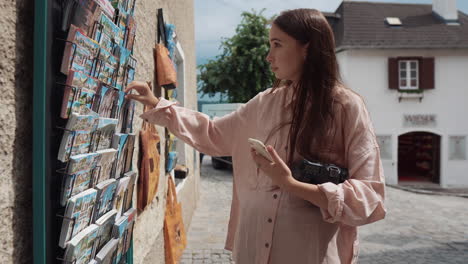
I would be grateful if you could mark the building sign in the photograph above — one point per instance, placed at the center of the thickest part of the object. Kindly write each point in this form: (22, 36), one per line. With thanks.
(419, 120)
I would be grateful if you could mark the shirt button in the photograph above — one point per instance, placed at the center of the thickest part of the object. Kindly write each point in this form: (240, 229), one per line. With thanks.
(267, 245)
(275, 196)
(269, 220)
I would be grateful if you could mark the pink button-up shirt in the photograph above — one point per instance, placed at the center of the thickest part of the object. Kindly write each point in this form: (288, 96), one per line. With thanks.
(270, 225)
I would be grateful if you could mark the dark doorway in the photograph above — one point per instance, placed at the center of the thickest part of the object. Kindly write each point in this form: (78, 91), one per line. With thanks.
(419, 157)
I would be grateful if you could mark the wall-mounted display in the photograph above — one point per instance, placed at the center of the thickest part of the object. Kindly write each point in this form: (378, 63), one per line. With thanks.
(90, 180)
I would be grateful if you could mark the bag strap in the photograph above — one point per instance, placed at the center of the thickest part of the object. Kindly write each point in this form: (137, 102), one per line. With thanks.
(146, 125)
(143, 126)
(154, 132)
(161, 28)
(171, 192)
(145, 107)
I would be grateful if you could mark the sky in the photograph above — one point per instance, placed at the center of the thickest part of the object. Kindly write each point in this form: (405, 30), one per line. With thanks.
(217, 19)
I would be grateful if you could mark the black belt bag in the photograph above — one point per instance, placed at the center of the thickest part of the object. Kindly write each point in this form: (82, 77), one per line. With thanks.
(318, 173)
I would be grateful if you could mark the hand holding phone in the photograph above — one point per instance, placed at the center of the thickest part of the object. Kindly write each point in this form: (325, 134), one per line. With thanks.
(260, 148)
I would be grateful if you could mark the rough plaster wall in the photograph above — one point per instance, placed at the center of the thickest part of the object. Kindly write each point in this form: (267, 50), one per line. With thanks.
(16, 24)
(16, 52)
(184, 20)
(182, 15)
(148, 235)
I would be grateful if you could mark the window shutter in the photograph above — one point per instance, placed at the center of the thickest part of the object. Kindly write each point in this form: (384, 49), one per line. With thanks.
(393, 73)
(427, 73)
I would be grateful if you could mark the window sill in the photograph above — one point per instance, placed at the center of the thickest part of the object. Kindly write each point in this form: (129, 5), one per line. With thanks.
(410, 94)
(411, 91)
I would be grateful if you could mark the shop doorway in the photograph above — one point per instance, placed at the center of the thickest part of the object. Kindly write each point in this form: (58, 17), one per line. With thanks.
(419, 157)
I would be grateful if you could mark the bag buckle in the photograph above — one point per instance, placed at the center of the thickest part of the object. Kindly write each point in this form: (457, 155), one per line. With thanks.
(334, 171)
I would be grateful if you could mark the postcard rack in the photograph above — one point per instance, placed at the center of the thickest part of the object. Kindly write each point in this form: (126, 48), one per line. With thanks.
(52, 19)
(97, 62)
(92, 182)
(95, 243)
(76, 93)
(96, 102)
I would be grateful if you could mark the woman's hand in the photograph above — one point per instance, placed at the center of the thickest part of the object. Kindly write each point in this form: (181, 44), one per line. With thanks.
(277, 170)
(281, 175)
(144, 96)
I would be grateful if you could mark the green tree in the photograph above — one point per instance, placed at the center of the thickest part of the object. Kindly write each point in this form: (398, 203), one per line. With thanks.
(241, 71)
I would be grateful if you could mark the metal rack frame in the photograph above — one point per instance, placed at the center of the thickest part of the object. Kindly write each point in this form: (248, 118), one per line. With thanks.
(44, 209)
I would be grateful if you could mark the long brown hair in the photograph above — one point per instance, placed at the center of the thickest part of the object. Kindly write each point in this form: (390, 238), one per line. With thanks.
(312, 100)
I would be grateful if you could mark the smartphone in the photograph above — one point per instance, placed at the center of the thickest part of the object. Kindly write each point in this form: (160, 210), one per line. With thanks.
(260, 148)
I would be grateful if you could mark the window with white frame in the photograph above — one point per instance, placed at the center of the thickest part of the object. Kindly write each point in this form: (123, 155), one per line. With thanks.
(180, 95)
(180, 68)
(408, 74)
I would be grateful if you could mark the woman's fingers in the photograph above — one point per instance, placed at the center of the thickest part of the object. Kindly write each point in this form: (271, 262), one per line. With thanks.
(259, 159)
(276, 158)
(139, 98)
(140, 87)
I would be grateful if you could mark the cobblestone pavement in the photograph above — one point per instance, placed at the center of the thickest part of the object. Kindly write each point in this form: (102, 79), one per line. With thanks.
(207, 233)
(419, 228)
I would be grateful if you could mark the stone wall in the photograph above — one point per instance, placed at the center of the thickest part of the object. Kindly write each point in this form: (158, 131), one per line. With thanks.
(16, 86)
(16, 74)
(148, 236)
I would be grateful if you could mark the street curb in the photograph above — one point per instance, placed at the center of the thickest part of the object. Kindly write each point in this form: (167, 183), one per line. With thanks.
(419, 191)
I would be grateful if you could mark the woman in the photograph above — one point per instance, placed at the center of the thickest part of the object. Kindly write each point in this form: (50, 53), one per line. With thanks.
(307, 114)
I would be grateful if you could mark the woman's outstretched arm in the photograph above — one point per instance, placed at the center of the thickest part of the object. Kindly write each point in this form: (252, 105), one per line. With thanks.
(212, 137)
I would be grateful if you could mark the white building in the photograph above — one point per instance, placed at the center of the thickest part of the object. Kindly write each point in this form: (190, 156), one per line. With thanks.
(410, 63)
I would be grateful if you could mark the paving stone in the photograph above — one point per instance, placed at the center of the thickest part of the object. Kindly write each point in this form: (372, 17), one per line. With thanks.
(418, 228)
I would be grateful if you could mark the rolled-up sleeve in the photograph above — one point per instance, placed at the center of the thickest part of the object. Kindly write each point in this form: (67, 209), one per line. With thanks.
(360, 199)
(212, 137)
